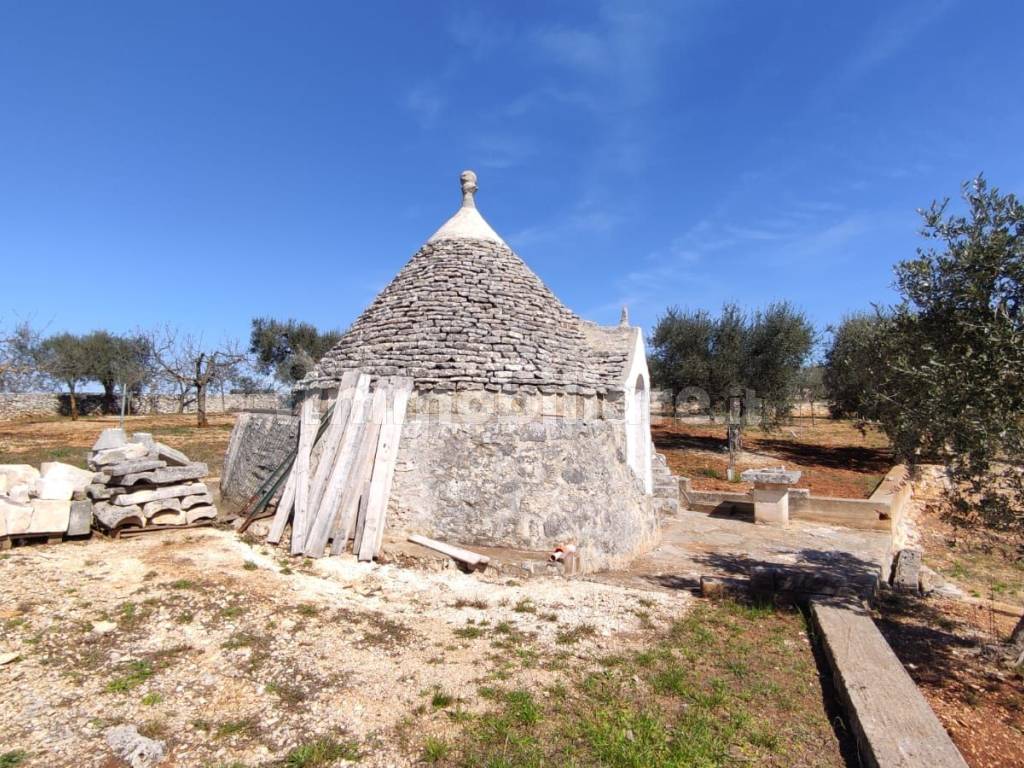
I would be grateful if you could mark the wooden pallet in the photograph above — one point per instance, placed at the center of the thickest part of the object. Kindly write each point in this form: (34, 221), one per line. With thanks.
(128, 532)
(6, 542)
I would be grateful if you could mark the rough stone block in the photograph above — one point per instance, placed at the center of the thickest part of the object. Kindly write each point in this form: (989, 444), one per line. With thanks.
(202, 512)
(128, 467)
(19, 474)
(170, 455)
(142, 497)
(113, 516)
(50, 516)
(127, 452)
(167, 475)
(59, 481)
(906, 572)
(109, 438)
(80, 521)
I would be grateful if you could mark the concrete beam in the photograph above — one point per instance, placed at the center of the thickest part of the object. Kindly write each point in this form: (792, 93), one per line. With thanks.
(893, 724)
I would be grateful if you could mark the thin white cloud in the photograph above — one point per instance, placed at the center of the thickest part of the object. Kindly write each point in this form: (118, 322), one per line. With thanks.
(425, 102)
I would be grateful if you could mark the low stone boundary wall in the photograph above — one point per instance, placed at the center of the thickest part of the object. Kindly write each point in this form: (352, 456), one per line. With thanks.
(850, 513)
(888, 714)
(27, 405)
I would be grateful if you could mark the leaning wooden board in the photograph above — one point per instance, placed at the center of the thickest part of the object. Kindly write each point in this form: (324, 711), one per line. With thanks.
(308, 425)
(384, 471)
(340, 417)
(338, 477)
(362, 470)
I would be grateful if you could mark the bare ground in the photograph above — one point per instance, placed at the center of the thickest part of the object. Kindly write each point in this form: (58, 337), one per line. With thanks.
(231, 656)
(836, 457)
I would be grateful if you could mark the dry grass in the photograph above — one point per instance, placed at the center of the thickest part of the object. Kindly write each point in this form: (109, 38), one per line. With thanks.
(61, 439)
(836, 458)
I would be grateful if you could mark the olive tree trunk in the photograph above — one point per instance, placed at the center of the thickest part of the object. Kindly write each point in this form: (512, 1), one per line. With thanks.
(201, 405)
(72, 402)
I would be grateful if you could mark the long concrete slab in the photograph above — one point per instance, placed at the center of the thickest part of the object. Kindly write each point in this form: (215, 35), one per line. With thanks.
(893, 724)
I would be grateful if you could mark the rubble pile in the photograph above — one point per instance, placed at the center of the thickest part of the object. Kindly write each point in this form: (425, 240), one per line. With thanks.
(142, 483)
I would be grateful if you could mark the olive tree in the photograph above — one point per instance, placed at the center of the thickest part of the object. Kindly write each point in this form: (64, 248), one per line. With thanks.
(64, 358)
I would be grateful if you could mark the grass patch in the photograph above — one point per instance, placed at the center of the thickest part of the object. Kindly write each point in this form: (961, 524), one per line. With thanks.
(151, 699)
(469, 632)
(526, 605)
(706, 691)
(321, 753)
(572, 635)
(244, 727)
(441, 699)
(135, 674)
(476, 602)
(13, 758)
(435, 750)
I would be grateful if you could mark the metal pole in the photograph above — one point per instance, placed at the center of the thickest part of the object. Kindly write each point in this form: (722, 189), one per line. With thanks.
(123, 401)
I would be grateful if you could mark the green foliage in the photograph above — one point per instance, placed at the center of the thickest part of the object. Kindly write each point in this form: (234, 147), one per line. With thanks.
(853, 364)
(710, 359)
(64, 357)
(288, 349)
(947, 383)
(114, 360)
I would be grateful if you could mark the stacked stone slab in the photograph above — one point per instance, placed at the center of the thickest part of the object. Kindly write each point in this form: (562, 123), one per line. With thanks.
(142, 483)
(49, 502)
(666, 488)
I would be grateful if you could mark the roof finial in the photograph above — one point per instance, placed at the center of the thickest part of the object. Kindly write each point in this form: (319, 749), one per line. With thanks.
(468, 179)
(624, 317)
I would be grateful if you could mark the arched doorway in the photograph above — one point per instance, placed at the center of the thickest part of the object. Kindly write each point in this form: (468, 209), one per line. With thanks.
(638, 432)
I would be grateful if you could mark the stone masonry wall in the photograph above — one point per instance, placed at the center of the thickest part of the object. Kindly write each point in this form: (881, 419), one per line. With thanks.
(24, 405)
(524, 484)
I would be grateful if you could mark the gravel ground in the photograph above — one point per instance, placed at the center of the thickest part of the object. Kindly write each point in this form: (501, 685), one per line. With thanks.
(231, 654)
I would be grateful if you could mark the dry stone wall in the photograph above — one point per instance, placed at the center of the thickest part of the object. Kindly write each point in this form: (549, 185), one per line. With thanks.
(24, 405)
(259, 443)
(532, 484)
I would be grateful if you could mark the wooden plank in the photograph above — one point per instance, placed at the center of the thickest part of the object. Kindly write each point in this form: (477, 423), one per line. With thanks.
(357, 536)
(458, 553)
(332, 438)
(384, 471)
(323, 522)
(309, 422)
(362, 471)
(284, 509)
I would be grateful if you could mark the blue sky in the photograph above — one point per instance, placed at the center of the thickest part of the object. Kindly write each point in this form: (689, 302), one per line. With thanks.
(196, 164)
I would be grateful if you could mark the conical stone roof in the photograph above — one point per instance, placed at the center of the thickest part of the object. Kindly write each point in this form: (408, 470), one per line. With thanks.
(467, 313)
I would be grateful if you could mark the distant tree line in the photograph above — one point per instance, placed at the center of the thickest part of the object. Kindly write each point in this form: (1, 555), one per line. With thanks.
(761, 354)
(166, 360)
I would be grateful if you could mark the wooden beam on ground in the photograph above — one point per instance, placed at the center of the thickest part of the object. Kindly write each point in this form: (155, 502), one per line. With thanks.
(309, 423)
(323, 522)
(458, 553)
(362, 470)
(384, 471)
